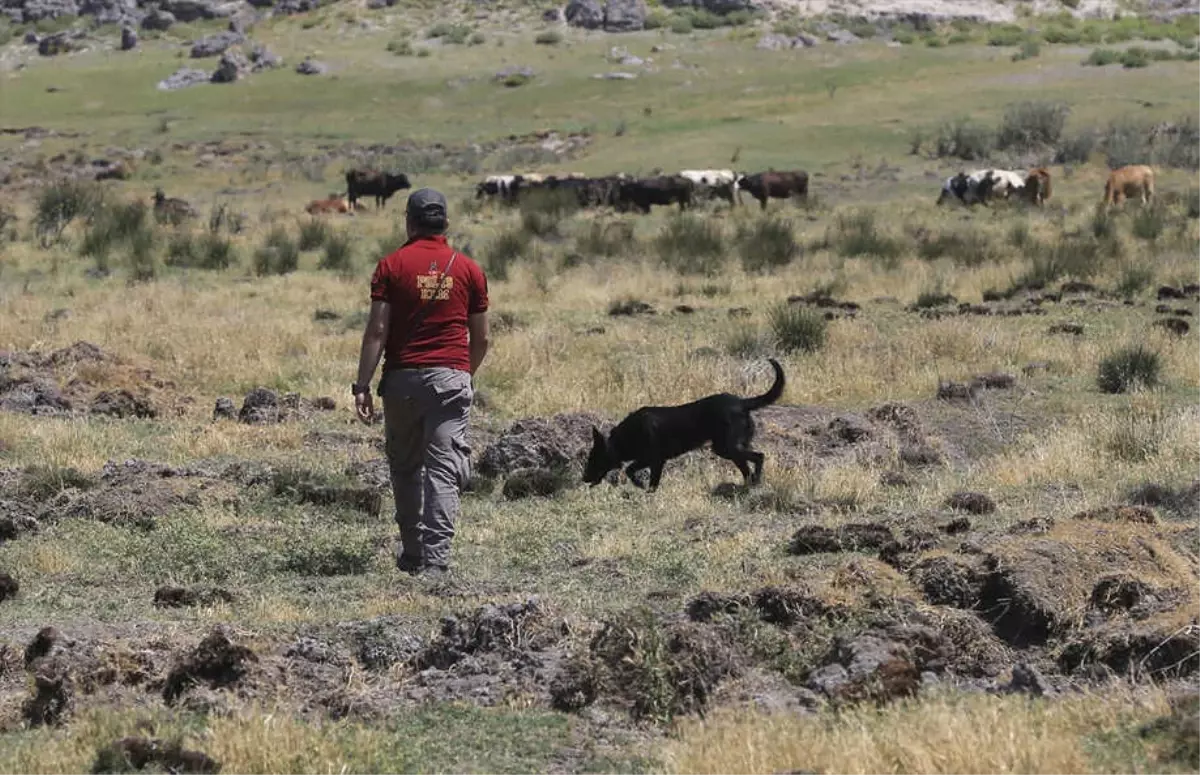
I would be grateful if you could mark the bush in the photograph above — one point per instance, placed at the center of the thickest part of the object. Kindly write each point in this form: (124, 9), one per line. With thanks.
(797, 327)
(680, 25)
(740, 18)
(1134, 58)
(543, 210)
(1193, 203)
(60, 203)
(749, 343)
(278, 254)
(964, 140)
(1006, 35)
(1056, 35)
(1128, 369)
(143, 261)
(42, 482)
(114, 225)
(689, 244)
(1125, 143)
(401, 48)
(936, 297)
(767, 245)
(605, 240)
(656, 18)
(1150, 222)
(904, 37)
(548, 38)
(856, 234)
(959, 39)
(1076, 149)
(1134, 280)
(339, 253)
(1184, 152)
(966, 247)
(1029, 50)
(450, 33)
(1029, 126)
(1101, 57)
(313, 234)
(706, 20)
(476, 39)
(209, 251)
(504, 250)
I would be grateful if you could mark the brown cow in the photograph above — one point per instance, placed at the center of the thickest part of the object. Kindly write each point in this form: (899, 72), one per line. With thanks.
(1037, 186)
(775, 185)
(322, 206)
(1133, 180)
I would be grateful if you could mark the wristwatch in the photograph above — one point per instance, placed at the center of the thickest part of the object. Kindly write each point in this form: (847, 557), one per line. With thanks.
(360, 390)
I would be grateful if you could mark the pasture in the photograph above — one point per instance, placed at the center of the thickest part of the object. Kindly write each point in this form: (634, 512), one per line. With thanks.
(974, 547)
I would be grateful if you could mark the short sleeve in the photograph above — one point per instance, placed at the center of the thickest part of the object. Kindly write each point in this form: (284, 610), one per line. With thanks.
(380, 283)
(479, 291)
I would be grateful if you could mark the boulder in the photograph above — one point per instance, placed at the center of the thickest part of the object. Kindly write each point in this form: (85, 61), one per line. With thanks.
(541, 442)
(588, 14)
(129, 38)
(37, 10)
(263, 58)
(53, 45)
(624, 15)
(288, 7)
(213, 45)
(776, 42)
(125, 12)
(158, 19)
(194, 10)
(183, 78)
(232, 67)
(311, 66)
(842, 37)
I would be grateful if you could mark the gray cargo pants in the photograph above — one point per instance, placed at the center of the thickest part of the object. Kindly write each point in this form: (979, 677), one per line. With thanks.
(425, 423)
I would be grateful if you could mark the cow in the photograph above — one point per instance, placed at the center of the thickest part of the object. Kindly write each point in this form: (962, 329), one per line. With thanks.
(1000, 184)
(171, 210)
(1133, 180)
(970, 188)
(323, 206)
(662, 190)
(775, 185)
(380, 185)
(495, 185)
(714, 183)
(117, 170)
(1037, 186)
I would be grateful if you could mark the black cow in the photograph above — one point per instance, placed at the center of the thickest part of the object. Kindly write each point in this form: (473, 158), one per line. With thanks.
(775, 185)
(661, 190)
(380, 185)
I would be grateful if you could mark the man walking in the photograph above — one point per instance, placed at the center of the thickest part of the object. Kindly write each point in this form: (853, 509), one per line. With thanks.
(429, 320)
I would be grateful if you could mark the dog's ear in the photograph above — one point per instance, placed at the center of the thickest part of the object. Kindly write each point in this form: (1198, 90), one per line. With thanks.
(598, 437)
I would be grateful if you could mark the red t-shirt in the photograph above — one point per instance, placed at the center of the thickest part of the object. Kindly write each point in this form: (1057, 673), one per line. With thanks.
(407, 279)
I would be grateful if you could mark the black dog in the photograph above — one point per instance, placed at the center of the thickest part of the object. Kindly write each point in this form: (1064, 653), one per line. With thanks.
(654, 434)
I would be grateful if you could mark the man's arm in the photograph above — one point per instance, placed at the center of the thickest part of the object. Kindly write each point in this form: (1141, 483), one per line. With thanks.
(374, 339)
(477, 326)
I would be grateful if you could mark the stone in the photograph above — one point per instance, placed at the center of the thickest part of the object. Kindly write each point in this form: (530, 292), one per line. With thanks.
(53, 45)
(129, 38)
(264, 59)
(588, 14)
(124, 12)
(194, 10)
(615, 76)
(183, 78)
(212, 45)
(624, 15)
(311, 66)
(842, 37)
(158, 19)
(37, 10)
(232, 67)
(224, 410)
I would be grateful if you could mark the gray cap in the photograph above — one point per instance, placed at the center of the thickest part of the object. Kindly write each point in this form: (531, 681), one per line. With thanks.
(426, 204)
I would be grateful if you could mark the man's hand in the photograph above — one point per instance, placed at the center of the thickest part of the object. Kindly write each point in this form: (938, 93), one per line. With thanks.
(364, 407)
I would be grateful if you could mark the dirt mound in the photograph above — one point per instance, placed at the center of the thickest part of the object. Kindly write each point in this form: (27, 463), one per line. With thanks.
(137, 753)
(83, 379)
(183, 597)
(377, 645)
(264, 407)
(1132, 514)
(1140, 650)
(53, 697)
(537, 482)
(9, 587)
(946, 580)
(1182, 503)
(561, 441)
(856, 536)
(781, 606)
(971, 502)
(880, 665)
(216, 662)
(492, 628)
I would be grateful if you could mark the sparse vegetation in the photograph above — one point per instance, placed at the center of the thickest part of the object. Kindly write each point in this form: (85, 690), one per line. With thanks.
(59, 204)
(279, 254)
(797, 328)
(548, 38)
(1129, 369)
(338, 254)
(315, 232)
(689, 244)
(767, 244)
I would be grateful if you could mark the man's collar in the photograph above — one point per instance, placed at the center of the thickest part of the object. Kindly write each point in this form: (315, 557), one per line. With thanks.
(439, 238)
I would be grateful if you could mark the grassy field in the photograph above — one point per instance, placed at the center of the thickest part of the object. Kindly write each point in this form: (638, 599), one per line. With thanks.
(613, 569)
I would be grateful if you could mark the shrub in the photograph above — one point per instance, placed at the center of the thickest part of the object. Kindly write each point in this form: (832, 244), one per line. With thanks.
(313, 234)
(656, 18)
(143, 261)
(542, 211)
(904, 37)
(476, 39)
(959, 39)
(1125, 143)
(1031, 125)
(690, 244)
(278, 254)
(1134, 280)
(60, 203)
(934, 41)
(739, 18)
(339, 253)
(1150, 221)
(209, 251)
(1029, 50)
(605, 240)
(112, 226)
(966, 247)
(1135, 57)
(548, 38)
(1100, 57)
(1056, 35)
(1184, 152)
(768, 244)
(449, 33)
(1019, 236)
(504, 250)
(748, 342)
(401, 48)
(1076, 149)
(42, 482)
(856, 234)
(1193, 203)
(706, 20)
(1006, 35)
(936, 297)
(964, 140)
(797, 327)
(1128, 369)
(680, 25)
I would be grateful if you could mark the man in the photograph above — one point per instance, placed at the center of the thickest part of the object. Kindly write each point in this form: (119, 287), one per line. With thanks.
(429, 319)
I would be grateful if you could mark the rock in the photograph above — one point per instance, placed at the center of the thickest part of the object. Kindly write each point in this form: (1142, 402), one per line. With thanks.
(129, 39)
(538, 442)
(1174, 326)
(553, 15)
(615, 76)
(775, 42)
(878, 665)
(158, 19)
(535, 483)
(212, 45)
(587, 14)
(1029, 680)
(130, 754)
(233, 66)
(289, 7)
(30, 39)
(624, 15)
(311, 66)
(514, 71)
(9, 587)
(842, 37)
(814, 539)
(971, 502)
(123, 12)
(259, 407)
(265, 59)
(217, 661)
(37, 10)
(225, 410)
(53, 45)
(194, 10)
(122, 403)
(183, 78)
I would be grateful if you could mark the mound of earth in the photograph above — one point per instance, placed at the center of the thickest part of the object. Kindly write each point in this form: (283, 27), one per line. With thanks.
(557, 442)
(83, 379)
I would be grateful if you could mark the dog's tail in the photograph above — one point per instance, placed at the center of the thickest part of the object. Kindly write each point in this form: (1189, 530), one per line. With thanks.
(772, 395)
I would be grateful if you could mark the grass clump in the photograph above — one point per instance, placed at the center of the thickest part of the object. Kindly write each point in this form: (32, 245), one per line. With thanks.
(966, 247)
(401, 48)
(963, 139)
(1102, 57)
(323, 554)
(605, 240)
(1032, 125)
(504, 251)
(59, 204)
(279, 254)
(689, 244)
(749, 342)
(1128, 369)
(548, 38)
(313, 234)
(1006, 35)
(543, 211)
(858, 234)
(116, 225)
(768, 244)
(1029, 50)
(797, 328)
(1134, 280)
(339, 253)
(1150, 222)
(43, 482)
(456, 34)
(1136, 435)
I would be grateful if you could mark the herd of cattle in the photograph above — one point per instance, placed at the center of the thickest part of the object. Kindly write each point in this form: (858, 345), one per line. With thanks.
(625, 193)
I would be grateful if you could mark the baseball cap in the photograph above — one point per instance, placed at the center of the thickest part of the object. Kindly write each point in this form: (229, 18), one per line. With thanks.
(426, 204)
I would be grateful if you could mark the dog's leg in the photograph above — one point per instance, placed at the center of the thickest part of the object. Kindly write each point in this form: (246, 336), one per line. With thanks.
(632, 469)
(656, 470)
(757, 459)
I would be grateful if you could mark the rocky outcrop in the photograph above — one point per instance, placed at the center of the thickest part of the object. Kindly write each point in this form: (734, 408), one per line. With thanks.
(232, 67)
(624, 15)
(588, 14)
(214, 45)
